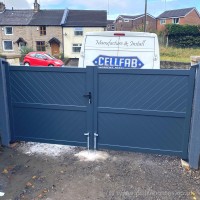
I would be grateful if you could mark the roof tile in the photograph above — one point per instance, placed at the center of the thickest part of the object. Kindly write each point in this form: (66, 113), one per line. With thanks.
(86, 18)
(175, 13)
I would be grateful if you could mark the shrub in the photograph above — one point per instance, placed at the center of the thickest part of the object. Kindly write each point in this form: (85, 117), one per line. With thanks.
(185, 36)
(25, 50)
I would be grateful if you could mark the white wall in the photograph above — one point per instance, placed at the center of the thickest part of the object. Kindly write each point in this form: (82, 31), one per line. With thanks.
(69, 39)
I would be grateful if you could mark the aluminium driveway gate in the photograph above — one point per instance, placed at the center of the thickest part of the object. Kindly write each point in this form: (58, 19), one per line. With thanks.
(144, 110)
(48, 104)
(122, 109)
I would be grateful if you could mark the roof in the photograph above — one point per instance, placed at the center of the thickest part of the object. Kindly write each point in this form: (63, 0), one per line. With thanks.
(54, 40)
(31, 18)
(86, 18)
(176, 13)
(130, 16)
(47, 18)
(16, 17)
(21, 40)
(110, 21)
(133, 17)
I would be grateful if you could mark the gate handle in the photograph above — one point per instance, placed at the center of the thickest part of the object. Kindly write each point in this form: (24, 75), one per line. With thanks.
(89, 95)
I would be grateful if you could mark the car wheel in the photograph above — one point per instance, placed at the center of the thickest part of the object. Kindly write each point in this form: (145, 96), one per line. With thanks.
(27, 64)
(51, 65)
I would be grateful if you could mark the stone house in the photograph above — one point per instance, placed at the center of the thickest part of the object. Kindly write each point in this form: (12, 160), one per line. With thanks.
(76, 24)
(179, 16)
(38, 29)
(135, 23)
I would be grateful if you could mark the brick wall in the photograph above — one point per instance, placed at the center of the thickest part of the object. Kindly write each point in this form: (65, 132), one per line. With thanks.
(30, 34)
(136, 25)
(192, 18)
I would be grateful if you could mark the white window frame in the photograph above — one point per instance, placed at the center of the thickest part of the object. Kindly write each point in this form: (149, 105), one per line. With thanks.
(5, 30)
(76, 45)
(162, 21)
(126, 20)
(173, 20)
(78, 29)
(4, 45)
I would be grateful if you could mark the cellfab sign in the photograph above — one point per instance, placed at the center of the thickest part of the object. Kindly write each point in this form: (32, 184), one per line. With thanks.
(118, 62)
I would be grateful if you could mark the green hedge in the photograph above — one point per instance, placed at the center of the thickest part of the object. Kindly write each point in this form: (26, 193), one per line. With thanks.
(186, 36)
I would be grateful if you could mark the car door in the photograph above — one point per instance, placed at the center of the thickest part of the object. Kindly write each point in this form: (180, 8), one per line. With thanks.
(40, 60)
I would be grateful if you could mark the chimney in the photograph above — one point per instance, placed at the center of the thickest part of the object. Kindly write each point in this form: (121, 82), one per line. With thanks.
(36, 6)
(2, 7)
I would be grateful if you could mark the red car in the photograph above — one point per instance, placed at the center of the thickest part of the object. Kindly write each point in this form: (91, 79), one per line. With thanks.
(41, 59)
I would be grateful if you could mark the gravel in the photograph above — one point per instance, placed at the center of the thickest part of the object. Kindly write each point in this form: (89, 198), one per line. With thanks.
(54, 172)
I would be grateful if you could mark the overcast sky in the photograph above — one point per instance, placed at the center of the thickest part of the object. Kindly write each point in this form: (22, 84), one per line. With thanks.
(114, 7)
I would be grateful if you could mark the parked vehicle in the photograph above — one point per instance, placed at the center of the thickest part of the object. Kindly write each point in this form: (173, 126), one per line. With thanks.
(41, 59)
(120, 49)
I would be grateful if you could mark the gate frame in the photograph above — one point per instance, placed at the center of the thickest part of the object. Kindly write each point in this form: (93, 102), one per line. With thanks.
(4, 108)
(194, 142)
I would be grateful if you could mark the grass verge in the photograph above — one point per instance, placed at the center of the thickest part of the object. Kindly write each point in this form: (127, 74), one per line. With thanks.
(178, 54)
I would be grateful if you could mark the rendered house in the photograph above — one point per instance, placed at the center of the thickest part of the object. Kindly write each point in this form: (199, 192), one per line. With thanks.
(38, 29)
(180, 16)
(110, 25)
(76, 24)
(135, 23)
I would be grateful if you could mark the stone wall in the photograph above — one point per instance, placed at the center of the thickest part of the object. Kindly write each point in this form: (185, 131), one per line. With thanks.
(30, 34)
(174, 65)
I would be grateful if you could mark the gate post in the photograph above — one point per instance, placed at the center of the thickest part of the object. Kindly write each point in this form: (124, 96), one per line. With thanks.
(4, 111)
(194, 146)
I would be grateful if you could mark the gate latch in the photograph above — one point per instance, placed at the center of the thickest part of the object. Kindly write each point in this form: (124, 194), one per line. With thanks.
(88, 140)
(95, 141)
(89, 95)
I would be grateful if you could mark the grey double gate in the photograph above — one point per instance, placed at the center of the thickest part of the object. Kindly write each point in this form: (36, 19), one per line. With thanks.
(123, 109)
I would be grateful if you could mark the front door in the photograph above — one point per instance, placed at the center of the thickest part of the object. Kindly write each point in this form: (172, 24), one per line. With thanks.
(55, 49)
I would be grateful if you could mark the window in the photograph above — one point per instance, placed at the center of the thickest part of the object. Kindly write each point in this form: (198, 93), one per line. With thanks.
(163, 21)
(32, 55)
(175, 20)
(78, 31)
(8, 30)
(40, 56)
(113, 27)
(76, 48)
(8, 45)
(40, 46)
(126, 20)
(42, 30)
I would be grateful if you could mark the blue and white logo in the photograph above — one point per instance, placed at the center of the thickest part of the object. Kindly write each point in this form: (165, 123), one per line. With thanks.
(118, 62)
